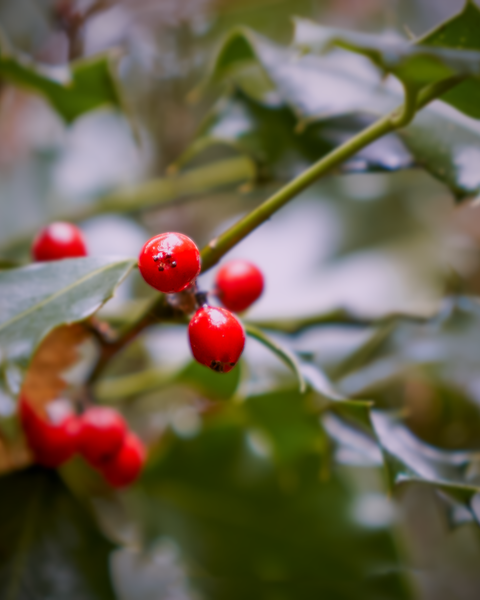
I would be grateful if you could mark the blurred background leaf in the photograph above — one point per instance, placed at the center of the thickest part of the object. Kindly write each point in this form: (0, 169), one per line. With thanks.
(248, 528)
(50, 545)
(89, 85)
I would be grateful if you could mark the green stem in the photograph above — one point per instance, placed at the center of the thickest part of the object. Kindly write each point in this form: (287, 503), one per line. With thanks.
(160, 310)
(153, 193)
(408, 110)
(219, 246)
(214, 251)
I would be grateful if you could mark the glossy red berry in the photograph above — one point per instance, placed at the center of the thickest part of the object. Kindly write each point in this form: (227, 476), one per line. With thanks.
(238, 284)
(59, 240)
(102, 433)
(125, 466)
(53, 440)
(169, 262)
(217, 338)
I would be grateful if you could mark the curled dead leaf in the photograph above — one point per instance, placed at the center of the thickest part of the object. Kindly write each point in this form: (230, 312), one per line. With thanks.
(58, 351)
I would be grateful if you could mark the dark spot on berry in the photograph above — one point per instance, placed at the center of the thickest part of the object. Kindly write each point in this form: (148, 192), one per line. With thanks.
(169, 255)
(161, 268)
(232, 364)
(155, 258)
(213, 364)
(174, 264)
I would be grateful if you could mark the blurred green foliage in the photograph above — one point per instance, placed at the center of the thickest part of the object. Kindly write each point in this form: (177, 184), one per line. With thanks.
(363, 485)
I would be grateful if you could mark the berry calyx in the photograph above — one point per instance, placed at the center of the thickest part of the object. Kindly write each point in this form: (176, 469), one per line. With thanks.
(53, 441)
(59, 240)
(238, 284)
(169, 262)
(102, 433)
(217, 338)
(125, 466)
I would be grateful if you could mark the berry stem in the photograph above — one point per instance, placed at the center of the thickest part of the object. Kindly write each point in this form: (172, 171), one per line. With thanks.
(160, 310)
(219, 246)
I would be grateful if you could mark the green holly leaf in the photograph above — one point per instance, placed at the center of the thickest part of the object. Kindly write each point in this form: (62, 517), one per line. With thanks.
(272, 138)
(460, 32)
(447, 144)
(450, 50)
(408, 459)
(331, 98)
(37, 298)
(248, 528)
(50, 546)
(85, 85)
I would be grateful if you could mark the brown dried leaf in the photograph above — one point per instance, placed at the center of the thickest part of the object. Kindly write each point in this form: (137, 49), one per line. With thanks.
(43, 383)
(14, 456)
(58, 351)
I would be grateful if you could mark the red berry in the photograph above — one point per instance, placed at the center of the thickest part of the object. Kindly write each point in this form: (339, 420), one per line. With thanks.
(52, 441)
(217, 338)
(125, 466)
(101, 435)
(238, 284)
(169, 262)
(59, 240)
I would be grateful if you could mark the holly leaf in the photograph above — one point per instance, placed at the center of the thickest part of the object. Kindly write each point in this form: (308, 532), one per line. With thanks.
(288, 422)
(408, 459)
(50, 546)
(450, 50)
(333, 97)
(85, 85)
(460, 32)
(352, 445)
(247, 528)
(272, 138)
(37, 298)
(447, 144)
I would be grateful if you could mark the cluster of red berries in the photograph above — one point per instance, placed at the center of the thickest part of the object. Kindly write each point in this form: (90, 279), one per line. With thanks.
(170, 262)
(100, 435)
